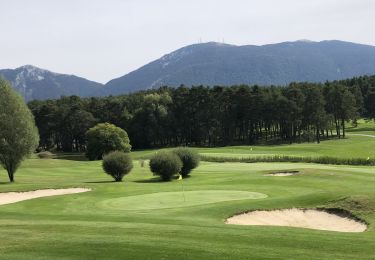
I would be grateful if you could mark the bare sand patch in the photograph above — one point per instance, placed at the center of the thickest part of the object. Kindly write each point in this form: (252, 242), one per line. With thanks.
(302, 218)
(13, 197)
(282, 173)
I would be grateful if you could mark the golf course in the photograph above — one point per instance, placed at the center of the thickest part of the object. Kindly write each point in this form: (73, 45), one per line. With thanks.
(143, 218)
(240, 130)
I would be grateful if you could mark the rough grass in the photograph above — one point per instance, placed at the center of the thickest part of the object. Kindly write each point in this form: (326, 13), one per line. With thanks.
(287, 158)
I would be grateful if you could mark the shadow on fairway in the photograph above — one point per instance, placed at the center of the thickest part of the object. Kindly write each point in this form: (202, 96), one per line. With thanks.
(157, 179)
(70, 156)
(98, 182)
(365, 129)
(153, 180)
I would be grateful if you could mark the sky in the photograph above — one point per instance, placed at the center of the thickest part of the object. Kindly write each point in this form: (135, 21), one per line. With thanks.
(104, 39)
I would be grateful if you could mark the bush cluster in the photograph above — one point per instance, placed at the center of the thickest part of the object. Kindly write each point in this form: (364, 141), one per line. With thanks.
(178, 161)
(117, 164)
(190, 159)
(165, 165)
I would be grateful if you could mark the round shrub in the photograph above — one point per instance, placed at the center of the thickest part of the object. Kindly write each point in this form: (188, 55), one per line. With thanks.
(165, 164)
(117, 164)
(190, 159)
(104, 138)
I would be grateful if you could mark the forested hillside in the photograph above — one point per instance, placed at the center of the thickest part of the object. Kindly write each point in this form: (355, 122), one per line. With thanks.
(211, 64)
(215, 116)
(272, 64)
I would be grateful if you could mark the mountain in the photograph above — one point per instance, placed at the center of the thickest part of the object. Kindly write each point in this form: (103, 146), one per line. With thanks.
(211, 64)
(35, 83)
(223, 64)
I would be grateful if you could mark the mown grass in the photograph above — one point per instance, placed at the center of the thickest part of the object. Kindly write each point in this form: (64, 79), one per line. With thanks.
(90, 225)
(115, 221)
(354, 149)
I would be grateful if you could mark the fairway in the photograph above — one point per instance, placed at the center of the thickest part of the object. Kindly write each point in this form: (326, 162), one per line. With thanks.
(360, 143)
(99, 224)
(143, 218)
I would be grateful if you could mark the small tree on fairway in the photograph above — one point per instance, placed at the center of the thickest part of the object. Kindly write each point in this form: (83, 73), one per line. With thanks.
(117, 164)
(18, 134)
(190, 159)
(165, 164)
(104, 138)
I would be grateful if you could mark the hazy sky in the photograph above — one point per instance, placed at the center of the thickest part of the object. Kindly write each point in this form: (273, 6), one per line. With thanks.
(103, 39)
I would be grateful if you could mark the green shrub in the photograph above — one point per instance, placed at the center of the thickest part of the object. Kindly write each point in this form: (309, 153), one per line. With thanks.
(104, 138)
(45, 155)
(117, 164)
(165, 165)
(189, 158)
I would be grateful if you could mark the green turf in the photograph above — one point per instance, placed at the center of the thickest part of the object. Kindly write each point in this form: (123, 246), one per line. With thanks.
(164, 200)
(142, 218)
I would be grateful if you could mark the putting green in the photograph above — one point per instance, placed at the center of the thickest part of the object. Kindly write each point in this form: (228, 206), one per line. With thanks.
(162, 200)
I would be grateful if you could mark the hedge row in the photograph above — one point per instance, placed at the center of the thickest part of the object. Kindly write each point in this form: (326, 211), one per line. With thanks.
(288, 158)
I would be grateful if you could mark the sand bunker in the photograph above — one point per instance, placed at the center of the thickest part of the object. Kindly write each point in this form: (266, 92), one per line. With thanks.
(282, 173)
(313, 219)
(13, 197)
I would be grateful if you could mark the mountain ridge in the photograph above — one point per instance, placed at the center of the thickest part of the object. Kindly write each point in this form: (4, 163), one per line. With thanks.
(35, 83)
(211, 64)
(215, 63)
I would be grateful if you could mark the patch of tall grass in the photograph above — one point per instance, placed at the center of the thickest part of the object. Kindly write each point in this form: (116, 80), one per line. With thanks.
(288, 158)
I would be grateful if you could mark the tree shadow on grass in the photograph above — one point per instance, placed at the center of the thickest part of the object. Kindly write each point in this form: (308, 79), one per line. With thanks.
(159, 180)
(153, 180)
(98, 182)
(365, 129)
(71, 157)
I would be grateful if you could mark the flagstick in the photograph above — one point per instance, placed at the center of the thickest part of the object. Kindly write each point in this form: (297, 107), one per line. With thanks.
(182, 185)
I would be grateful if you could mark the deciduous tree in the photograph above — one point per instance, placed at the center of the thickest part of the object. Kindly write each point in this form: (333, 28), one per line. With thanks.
(18, 133)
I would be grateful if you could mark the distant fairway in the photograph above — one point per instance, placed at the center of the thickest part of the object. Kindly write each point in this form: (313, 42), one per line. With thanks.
(142, 218)
(359, 143)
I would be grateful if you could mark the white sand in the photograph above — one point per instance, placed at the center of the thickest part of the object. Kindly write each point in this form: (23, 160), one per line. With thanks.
(280, 174)
(283, 174)
(12, 197)
(313, 219)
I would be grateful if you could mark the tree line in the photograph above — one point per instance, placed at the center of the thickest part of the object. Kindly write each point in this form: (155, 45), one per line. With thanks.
(210, 116)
